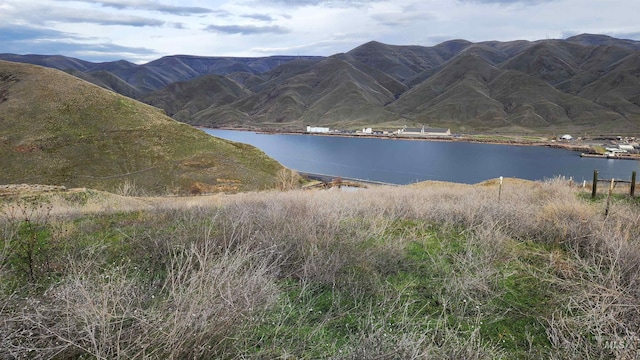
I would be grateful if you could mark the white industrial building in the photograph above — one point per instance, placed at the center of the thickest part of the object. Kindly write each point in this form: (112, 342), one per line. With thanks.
(317, 129)
(424, 131)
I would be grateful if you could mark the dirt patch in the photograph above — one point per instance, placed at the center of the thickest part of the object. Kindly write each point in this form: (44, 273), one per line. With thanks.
(25, 148)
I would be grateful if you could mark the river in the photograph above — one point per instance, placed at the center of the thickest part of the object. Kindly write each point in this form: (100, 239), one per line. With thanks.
(408, 161)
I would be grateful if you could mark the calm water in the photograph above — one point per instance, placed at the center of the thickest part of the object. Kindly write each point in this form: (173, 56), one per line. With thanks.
(404, 162)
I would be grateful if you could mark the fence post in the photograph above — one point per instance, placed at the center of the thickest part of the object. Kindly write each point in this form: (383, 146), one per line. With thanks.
(606, 211)
(594, 185)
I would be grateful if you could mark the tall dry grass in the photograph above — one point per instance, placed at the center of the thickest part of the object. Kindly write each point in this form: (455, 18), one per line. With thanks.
(405, 273)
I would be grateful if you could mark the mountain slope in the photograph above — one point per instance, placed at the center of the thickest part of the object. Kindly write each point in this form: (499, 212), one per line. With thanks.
(459, 91)
(471, 93)
(332, 91)
(108, 81)
(549, 61)
(57, 129)
(619, 89)
(403, 62)
(182, 99)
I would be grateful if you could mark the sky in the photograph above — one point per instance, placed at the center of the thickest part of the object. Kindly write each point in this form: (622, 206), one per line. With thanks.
(143, 30)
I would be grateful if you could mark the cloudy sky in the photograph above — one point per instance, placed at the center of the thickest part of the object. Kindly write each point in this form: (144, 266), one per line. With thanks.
(143, 30)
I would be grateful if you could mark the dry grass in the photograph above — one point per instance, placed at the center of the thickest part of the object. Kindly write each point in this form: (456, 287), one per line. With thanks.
(79, 134)
(388, 272)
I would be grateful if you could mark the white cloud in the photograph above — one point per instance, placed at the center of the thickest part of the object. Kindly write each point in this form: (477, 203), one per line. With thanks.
(246, 29)
(321, 3)
(148, 6)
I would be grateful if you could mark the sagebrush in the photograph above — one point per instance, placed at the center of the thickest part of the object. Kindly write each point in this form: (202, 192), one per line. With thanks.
(441, 271)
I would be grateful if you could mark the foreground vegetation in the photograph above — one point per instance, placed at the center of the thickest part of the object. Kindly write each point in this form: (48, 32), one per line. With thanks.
(433, 271)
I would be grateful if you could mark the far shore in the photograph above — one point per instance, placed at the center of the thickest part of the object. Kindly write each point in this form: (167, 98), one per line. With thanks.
(498, 139)
(590, 147)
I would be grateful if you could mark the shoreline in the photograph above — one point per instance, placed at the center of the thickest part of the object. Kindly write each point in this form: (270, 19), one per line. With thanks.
(589, 149)
(583, 148)
(616, 157)
(341, 180)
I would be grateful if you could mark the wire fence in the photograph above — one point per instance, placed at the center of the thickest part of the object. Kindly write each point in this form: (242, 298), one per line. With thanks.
(603, 184)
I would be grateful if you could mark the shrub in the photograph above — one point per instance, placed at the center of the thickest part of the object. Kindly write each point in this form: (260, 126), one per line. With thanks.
(439, 271)
(28, 244)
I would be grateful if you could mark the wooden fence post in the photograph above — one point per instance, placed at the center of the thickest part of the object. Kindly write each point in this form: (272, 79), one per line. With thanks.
(633, 184)
(606, 211)
(594, 185)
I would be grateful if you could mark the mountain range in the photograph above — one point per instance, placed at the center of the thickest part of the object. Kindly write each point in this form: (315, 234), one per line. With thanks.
(584, 84)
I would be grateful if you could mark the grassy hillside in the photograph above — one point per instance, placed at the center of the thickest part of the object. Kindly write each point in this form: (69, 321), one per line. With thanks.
(433, 270)
(57, 129)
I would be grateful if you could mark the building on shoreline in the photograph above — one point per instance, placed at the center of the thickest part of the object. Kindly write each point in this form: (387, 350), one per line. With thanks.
(424, 131)
(317, 129)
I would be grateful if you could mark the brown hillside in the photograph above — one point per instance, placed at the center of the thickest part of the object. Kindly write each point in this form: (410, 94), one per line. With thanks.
(57, 129)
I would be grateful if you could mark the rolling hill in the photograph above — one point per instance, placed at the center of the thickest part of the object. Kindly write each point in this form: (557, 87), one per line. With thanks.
(586, 83)
(60, 130)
